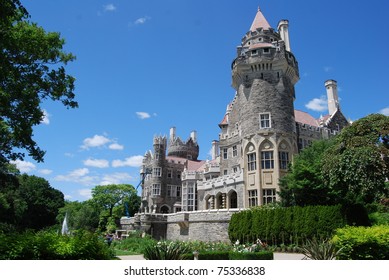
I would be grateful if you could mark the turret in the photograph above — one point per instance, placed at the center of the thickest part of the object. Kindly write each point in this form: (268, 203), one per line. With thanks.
(332, 96)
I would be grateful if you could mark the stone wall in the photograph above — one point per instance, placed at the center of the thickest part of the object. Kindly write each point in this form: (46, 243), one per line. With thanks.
(209, 225)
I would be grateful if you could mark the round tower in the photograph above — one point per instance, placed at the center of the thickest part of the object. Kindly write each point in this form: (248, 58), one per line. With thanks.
(177, 147)
(264, 74)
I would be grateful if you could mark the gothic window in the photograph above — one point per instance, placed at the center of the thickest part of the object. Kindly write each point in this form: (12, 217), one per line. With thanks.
(157, 172)
(267, 160)
(284, 159)
(156, 190)
(265, 120)
(234, 151)
(188, 197)
(253, 198)
(269, 196)
(251, 161)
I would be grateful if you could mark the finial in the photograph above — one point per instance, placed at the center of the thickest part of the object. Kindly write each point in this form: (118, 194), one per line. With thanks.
(259, 8)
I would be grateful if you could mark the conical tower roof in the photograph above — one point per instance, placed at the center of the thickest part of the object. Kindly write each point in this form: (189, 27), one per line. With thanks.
(260, 22)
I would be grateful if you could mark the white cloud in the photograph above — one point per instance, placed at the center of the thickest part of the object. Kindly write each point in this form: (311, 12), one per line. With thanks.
(116, 178)
(45, 118)
(78, 176)
(99, 163)
(385, 111)
(87, 193)
(143, 115)
(134, 161)
(24, 166)
(318, 104)
(45, 171)
(116, 146)
(142, 20)
(95, 141)
(109, 8)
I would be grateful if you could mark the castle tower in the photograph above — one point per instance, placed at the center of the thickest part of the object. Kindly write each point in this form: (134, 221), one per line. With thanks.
(258, 134)
(332, 96)
(179, 148)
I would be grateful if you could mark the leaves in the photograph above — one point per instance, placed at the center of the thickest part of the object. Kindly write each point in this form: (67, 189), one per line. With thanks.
(31, 70)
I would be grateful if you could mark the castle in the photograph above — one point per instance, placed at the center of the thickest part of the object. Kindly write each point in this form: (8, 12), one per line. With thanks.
(187, 198)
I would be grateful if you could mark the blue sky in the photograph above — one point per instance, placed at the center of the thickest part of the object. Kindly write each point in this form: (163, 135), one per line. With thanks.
(145, 66)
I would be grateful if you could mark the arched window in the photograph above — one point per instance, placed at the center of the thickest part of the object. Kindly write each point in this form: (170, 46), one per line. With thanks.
(233, 200)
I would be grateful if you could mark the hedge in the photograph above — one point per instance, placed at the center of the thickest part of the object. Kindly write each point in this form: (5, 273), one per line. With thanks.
(363, 243)
(285, 225)
(263, 255)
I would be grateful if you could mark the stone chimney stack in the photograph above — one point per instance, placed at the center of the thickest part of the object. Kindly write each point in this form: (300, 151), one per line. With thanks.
(193, 135)
(283, 30)
(215, 149)
(332, 96)
(172, 133)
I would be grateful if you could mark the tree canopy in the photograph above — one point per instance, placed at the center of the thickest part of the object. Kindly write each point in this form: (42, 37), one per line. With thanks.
(357, 166)
(31, 70)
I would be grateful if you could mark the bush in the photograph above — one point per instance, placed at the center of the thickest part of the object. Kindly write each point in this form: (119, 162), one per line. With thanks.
(363, 243)
(214, 255)
(263, 255)
(48, 245)
(134, 245)
(285, 225)
(165, 250)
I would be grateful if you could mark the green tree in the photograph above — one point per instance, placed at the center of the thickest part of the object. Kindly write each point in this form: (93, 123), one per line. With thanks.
(83, 215)
(28, 202)
(303, 185)
(31, 70)
(356, 167)
(114, 199)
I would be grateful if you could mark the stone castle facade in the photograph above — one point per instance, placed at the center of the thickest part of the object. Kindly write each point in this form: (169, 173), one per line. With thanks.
(184, 197)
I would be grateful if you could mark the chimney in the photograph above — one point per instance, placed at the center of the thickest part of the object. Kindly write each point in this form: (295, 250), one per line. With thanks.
(172, 133)
(193, 135)
(332, 96)
(215, 149)
(283, 26)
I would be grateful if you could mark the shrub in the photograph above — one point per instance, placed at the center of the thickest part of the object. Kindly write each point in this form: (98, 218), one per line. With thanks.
(363, 243)
(285, 225)
(48, 245)
(165, 250)
(134, 244)
(317, 249)
(214, 255)
(263, 255)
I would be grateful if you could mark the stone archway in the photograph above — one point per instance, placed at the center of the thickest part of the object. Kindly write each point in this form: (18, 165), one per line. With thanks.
(232, 200)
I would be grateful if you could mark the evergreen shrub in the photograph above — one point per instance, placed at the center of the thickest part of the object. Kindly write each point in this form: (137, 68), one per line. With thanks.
(363, 243)
(285, 225)
(263, 255)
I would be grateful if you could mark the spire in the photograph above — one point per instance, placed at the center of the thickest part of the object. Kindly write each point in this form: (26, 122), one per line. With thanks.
(260, 21)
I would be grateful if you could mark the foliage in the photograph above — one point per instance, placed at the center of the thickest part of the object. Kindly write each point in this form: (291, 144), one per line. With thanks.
(31, 71)
(317, 249)
(262, 255)
(303, 184)
(363, 243)
(28, 202)
(113, 199)
(213, 255)
(49, 245)
(81, 215)
(285, 225)
(356, 167)
(134, 244)
(165, 250)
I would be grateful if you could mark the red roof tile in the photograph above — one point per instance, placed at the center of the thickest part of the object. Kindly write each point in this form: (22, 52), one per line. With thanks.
(305, 118)
(260, 22)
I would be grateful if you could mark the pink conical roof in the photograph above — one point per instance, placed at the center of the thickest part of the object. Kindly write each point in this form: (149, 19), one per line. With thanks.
(260, 22)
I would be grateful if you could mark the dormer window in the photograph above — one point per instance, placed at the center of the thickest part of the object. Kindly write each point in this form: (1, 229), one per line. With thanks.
(254, 52)
(266, 50)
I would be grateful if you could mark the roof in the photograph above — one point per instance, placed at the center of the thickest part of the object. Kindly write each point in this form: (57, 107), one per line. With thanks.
(305, 118)
(260, 22)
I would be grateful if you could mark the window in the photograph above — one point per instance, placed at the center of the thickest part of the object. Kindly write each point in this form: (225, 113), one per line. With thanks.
(284, 159)
(254, 52)
(269, 196)
(173, 191)
(169, 173)
(267, 160)
(253, 198)
(188, 197)
(225, 153)
(225, 172)
(252, 162)
(264, 120)
(266, 50)
(234, 151)
(178, 193)
(235, 169)
(178, 174)
(157, 172)
(156, 190)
